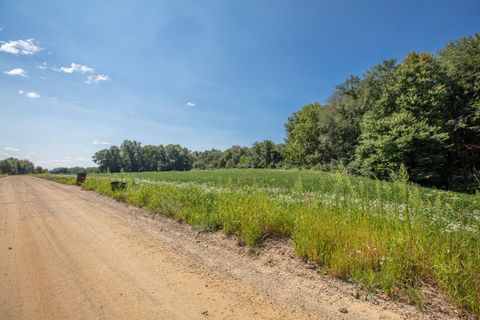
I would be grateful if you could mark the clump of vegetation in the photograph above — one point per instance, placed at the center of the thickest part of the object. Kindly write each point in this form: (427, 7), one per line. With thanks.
(15, 166)
(60, 178)
(389, 236)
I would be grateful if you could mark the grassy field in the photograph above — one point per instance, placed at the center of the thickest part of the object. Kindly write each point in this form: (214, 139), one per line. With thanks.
(390, 236)
(60, 178)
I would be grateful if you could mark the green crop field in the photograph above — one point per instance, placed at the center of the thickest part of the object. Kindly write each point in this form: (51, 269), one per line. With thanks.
(389, 236)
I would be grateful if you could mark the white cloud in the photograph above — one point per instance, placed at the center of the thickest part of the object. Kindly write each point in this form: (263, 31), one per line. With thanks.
(17, 72)
(42, 66)
(62, 161)
(29, 155)
(30, 94)
(11, 149)
(22, 47)
(98, 142)
(75, 67)
(68, 158)
(190, 104)
(97, 78)
(80, 159)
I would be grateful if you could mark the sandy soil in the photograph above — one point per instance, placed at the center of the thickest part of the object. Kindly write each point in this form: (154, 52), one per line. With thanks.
(71, 254)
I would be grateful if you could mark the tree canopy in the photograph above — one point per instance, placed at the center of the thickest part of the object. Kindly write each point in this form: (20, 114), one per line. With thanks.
(131, 156)
(15, 166)
(422, 113)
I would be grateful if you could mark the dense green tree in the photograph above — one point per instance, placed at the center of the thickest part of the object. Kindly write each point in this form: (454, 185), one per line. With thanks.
(75, 170)
(340, 131)
(265, 154)
(208, 159)
(60, 170)
(231, 156)
(177, 158)
(461, 62)
(405, 125)
(153, 157)
(401, 139)
(302, 135)
(131, 152)
(109, 160)
(15, 166)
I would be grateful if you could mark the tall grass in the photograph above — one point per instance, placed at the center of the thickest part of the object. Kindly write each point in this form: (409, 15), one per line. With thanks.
(391, 236)
(69, 179)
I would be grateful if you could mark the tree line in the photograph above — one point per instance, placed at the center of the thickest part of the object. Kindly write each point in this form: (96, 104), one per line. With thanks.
(422, 113)
(131, 156)
(15, 166)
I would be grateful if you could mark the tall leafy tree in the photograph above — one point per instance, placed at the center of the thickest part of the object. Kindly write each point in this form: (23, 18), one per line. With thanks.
(177, 158)
(208, 159)
(109, 160)
(405, 126)
(15, 166)
(302, 134)
(461, 62)
(153, 157)
(402, 139)
(131, 152)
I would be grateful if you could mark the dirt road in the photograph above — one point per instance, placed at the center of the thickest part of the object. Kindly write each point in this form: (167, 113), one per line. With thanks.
(72, 254)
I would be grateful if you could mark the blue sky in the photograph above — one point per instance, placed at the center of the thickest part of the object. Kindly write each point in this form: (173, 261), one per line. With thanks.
(76, 75)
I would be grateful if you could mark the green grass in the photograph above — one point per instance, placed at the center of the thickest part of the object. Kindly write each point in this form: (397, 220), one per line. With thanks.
(389, 236)
(60, 178)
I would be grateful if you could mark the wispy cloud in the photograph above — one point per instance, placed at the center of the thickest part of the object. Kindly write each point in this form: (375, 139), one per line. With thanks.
(190, 104)
(98, 142)
(17, 72)
(29, 94)
(97, 78)
(42, 66)
(75, 68)
(64, 161)
(21, 47)
(29, 155)
(11, 149)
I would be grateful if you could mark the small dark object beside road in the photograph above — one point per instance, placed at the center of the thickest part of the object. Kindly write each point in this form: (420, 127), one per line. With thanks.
(118, 185)
(81, 178)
